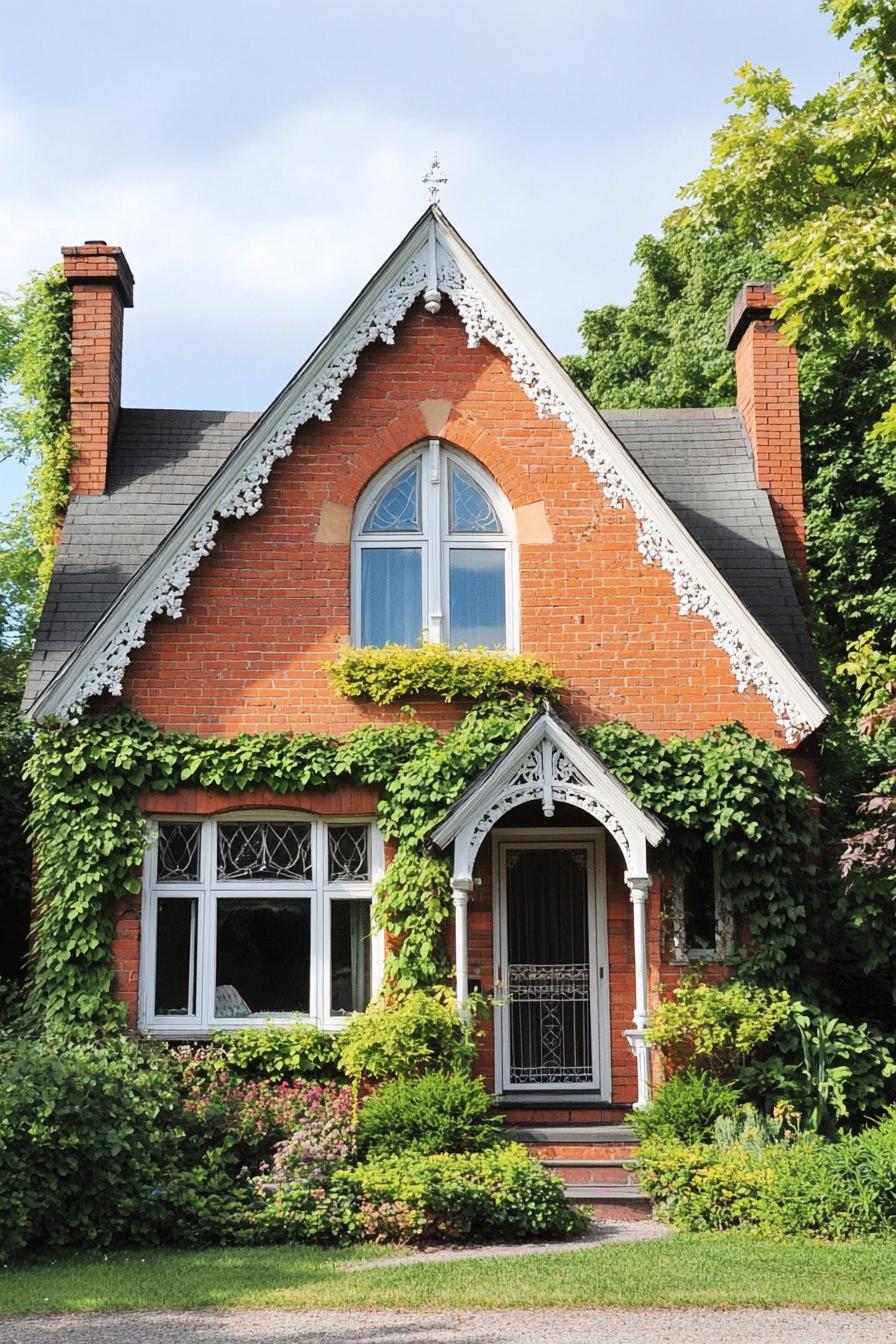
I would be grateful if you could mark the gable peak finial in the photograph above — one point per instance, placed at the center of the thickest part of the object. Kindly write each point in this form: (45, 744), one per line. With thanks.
(434, 180)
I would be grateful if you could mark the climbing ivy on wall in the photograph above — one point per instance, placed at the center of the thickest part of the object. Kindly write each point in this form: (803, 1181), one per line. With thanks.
(87, 778)
(35, 362)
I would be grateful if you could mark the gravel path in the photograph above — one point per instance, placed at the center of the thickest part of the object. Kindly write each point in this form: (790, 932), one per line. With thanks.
(783, 1326)
(597, 1234)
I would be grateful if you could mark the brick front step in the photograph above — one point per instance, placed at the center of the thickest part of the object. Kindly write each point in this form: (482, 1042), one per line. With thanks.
(593, 1161)
(612, 1206)
(593, 1173)
(563, 1115)
(578, 1152)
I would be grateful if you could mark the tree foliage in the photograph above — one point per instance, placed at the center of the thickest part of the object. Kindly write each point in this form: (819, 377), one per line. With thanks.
(799, 195)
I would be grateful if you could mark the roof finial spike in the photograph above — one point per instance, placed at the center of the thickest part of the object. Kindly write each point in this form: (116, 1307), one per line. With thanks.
(434, 179)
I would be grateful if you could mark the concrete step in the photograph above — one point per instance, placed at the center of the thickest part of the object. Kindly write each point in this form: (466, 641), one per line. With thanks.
(566, 1135)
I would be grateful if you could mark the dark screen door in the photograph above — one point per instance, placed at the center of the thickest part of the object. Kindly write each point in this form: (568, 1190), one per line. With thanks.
(549, 971)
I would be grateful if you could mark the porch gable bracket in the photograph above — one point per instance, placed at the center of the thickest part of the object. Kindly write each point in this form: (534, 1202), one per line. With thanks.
(547, 763)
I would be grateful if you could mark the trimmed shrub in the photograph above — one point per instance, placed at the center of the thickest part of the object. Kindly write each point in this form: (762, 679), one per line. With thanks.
(806, 1187)
(686, 1108)
(279, 1054)
(446, 1197)
(405, 1038)
(436, 1113)
(302, 1210)
(87, 1132)
(716, 1026)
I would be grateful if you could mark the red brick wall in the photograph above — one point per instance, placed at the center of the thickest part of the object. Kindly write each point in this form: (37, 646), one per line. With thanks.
(272, 602)
(768, 399)
(102, 286)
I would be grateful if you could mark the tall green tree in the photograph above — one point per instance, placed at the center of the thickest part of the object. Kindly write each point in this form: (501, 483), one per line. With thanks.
(801, 195)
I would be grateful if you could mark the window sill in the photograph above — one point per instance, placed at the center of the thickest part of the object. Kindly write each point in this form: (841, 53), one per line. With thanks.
(203, 1032)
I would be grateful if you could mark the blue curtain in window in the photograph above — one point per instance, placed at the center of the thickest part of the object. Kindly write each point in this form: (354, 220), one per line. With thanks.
(477, 597)
(391, 596)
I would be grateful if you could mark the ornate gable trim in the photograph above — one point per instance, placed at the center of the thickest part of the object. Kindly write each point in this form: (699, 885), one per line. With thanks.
(432, 258)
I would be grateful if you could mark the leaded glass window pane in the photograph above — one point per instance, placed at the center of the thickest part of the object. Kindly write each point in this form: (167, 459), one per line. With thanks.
(391, 596)
(348, 858)
(398, 507)
(349, 957)
(262, 956)
(477, 603)
(259, 851)
(471, 510)
(178, 853)
(699, 902)
(175, 983)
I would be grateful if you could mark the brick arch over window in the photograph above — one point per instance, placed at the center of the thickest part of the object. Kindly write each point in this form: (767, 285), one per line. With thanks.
(434, 553)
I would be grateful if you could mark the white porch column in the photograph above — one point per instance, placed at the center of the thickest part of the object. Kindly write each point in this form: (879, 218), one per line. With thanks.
(460, 890)
(639, 888)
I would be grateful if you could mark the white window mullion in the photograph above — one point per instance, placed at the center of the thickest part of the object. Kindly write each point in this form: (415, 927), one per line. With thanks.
(433, 494)
(207, 918)
(317, 973)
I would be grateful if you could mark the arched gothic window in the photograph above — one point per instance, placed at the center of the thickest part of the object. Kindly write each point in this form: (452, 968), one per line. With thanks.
(434, 554)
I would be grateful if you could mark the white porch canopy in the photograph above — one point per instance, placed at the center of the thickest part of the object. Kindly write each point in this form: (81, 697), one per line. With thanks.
(548, 763)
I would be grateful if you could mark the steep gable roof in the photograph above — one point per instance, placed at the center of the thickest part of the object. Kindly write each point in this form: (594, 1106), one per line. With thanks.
(432, 260)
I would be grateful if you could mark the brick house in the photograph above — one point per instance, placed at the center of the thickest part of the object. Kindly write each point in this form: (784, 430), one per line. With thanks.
(430, 470)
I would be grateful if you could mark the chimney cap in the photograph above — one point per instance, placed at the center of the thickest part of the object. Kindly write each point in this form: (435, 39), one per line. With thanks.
(754, 303)
(94, 263)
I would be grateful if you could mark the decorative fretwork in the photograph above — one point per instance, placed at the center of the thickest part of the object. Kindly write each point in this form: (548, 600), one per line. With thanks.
(258, 851)
(178, 853)
(471, 510)
(348, 858)
(564, 783)
(749, 667)
(529, 772)
(536, 983)
(563, 770)
(398, 507)
(550, 1007)
(656, 547)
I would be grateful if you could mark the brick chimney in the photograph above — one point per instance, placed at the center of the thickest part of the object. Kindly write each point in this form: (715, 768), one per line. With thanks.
(102, 287)
(768, 400)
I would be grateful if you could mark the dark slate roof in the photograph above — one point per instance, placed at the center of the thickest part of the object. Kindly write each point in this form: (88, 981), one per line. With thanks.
(699, 460)
(160, 460)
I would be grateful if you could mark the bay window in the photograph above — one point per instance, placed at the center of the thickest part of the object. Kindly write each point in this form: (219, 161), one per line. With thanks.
(254, 916)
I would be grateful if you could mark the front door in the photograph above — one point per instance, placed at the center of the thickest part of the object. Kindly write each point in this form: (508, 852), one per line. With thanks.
(551, 967)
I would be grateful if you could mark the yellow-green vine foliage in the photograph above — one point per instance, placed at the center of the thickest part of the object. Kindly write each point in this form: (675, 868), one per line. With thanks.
(36, 424)
(394, 673)
(86, 780)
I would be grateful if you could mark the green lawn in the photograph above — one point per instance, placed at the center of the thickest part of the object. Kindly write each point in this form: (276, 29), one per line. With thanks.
(685, 1270)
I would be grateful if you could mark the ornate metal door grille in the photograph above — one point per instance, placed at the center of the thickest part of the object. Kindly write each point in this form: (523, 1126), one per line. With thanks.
(550, 983)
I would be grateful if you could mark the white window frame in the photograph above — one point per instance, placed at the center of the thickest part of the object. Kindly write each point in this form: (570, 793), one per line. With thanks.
(208, 890)
(434, 539)
(724, 921)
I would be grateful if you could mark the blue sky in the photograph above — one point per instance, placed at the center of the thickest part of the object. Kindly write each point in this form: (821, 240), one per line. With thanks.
(257, 161)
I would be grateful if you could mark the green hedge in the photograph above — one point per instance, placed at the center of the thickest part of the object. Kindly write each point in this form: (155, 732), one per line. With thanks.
(87, 1132)
(803, 1187)
(437, 1113)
